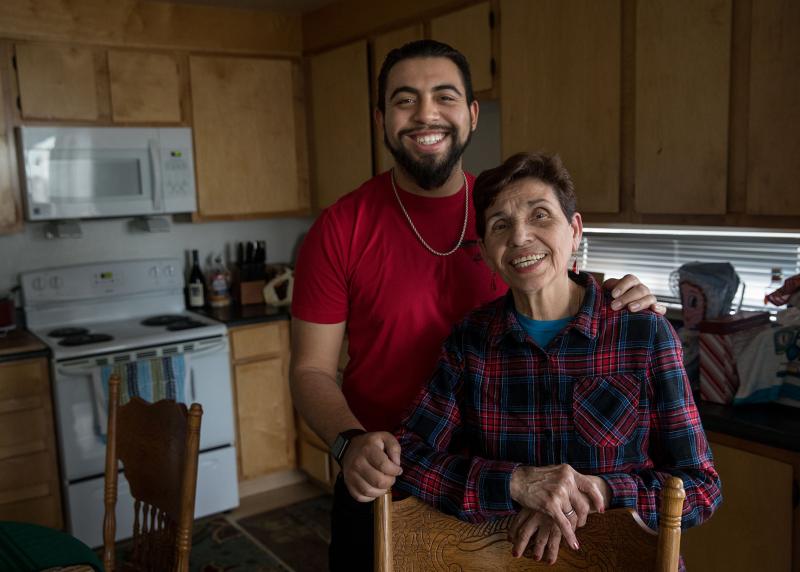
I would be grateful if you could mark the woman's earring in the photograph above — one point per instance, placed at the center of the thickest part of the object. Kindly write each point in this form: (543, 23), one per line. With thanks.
(494, 282)
(575, 263)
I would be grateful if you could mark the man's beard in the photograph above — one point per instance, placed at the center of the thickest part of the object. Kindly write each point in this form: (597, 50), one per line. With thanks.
(427, 172)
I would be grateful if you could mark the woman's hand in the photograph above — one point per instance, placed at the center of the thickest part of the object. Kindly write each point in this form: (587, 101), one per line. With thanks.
(629, 291)
(538, 530)
(561, 493)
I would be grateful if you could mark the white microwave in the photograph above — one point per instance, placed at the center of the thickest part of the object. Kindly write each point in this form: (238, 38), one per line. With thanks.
(93, 172)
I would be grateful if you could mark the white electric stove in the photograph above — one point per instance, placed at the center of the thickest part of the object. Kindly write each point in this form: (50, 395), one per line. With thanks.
(96, 315)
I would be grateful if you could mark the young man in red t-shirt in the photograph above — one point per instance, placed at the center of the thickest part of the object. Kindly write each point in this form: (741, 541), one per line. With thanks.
(394, 264)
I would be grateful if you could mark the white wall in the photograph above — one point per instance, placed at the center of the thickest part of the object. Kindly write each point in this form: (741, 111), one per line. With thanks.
(113, 239)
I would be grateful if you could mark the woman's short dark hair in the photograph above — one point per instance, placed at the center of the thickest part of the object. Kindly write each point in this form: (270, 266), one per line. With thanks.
(423, 49)
(546, 168)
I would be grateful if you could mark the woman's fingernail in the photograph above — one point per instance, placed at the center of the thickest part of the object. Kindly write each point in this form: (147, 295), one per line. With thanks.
(576, 546)
(616, 305)
(635, 306)
(660, 308)
(615, 292)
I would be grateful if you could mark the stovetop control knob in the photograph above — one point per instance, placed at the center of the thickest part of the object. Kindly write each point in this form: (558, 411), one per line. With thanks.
(153, 271)
(169, 271)
(38, 283)
(55, 282)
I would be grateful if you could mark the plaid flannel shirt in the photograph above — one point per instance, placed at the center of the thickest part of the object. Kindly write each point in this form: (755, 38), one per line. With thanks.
(608, 395)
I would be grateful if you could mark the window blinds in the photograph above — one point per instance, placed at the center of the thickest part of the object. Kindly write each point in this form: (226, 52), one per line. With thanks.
(653, 257)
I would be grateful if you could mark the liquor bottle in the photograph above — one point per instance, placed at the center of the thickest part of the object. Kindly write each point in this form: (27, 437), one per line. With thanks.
(196, 286)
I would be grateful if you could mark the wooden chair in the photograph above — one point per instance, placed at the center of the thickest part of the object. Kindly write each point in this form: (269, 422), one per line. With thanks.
(158, 445)
(413, 536)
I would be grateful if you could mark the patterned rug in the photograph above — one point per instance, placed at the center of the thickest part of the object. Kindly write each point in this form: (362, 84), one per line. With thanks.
(297, 534)
(290, 539)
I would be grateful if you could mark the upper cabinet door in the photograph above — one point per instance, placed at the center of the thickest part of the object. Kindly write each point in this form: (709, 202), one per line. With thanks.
(340, 119)
(560, 90)
(249, 137)
(57, 82)
(682, 93)
(381, 46)
(145, 87)
(774, 127)
(470, 32)
(10, 204)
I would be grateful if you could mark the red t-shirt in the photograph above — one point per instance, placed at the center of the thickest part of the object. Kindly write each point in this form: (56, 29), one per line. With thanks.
(362, 263)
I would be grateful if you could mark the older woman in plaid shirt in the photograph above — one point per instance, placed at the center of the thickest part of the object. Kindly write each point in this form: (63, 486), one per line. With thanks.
(546, 403)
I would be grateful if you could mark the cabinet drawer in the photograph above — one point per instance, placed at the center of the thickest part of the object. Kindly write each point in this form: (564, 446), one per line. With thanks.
(27, 470)
(36, 436)
(256, 341)
(42, 510)
(23, 382)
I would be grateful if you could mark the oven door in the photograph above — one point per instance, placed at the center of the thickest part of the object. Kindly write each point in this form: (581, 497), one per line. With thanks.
(208, 383)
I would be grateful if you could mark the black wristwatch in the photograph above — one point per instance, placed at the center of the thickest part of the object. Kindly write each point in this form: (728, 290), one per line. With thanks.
(342, 442)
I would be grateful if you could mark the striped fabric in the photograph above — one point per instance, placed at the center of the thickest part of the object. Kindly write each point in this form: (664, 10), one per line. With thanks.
(608, 395)
(152, 380)
(718, 378)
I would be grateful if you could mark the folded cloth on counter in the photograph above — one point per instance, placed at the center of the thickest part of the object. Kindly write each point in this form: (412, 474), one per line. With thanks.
(769, 367)
(152, 380)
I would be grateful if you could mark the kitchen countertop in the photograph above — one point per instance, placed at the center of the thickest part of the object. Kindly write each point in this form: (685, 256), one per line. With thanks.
(236, 315)
(770, 424)
(21, 344)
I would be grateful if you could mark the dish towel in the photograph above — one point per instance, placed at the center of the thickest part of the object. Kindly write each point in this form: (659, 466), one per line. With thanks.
(152, 380)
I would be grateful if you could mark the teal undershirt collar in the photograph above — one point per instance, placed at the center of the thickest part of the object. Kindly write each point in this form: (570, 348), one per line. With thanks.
(542, 331)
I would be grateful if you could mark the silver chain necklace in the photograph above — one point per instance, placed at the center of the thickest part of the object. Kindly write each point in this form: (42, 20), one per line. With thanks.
(414, 228)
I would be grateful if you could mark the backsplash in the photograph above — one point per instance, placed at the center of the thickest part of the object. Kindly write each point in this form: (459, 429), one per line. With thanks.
(113, 239)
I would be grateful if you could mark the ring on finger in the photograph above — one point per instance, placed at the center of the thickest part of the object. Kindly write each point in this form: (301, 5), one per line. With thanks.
(569, 513)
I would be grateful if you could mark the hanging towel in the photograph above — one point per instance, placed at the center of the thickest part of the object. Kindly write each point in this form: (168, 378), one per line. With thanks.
(152, 380)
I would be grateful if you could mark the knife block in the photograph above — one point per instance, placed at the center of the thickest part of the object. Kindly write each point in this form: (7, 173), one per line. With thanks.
(250, 292)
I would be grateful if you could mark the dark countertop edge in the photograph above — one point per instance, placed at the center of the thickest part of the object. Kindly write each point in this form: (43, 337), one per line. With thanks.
(29, 354)
(771, 424)
(235, 315)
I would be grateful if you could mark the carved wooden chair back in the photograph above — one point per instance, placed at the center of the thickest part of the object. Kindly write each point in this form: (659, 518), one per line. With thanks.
(413, 536)
(158, 446)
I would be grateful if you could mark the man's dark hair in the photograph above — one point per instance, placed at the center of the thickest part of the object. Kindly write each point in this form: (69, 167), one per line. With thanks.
(423, 49)
(546, 168)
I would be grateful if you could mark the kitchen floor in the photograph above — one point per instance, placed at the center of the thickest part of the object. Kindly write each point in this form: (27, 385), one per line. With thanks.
(276, 498)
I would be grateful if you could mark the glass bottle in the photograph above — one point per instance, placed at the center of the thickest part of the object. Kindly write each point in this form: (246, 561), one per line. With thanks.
(196, 286)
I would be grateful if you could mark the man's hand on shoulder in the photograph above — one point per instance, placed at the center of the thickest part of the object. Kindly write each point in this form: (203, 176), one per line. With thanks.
(629, 292)
(371, 464)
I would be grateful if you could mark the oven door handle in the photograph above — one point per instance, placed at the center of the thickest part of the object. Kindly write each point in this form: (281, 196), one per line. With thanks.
(206, 350)
(73, 370)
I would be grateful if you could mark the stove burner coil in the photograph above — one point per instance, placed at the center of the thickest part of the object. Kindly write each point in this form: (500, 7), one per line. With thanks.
(65, 332)
(83, 339)
(164, 320)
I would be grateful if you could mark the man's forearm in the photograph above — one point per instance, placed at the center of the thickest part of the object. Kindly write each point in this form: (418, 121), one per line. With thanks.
(322, 404)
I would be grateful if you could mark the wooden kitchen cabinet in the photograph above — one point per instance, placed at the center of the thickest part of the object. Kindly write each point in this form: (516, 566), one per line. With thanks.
(29, 481)
(265, 417)
(10, 200)
(382, 44)
(145, 87)
(683, 52)
(340, 120)
(58, 81)
(560, 90)
(470, 32)
(773, 143)
(757, 526)
(249, 137)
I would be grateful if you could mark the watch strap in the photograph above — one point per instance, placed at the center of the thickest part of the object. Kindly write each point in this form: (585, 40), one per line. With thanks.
(342, 442)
